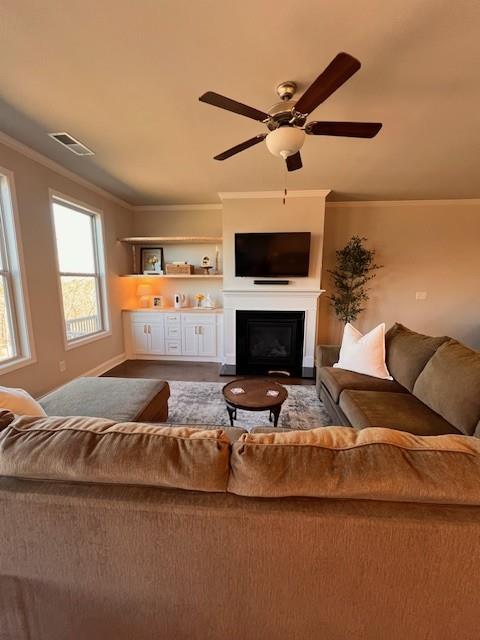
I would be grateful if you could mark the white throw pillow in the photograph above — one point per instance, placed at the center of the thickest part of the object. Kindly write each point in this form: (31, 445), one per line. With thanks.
(364, 353)
(20, 402)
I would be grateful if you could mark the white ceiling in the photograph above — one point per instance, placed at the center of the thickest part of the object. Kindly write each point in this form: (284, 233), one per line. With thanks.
(124, 78)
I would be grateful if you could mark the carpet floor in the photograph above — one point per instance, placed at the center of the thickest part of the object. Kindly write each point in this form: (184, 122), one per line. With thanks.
(203, 403)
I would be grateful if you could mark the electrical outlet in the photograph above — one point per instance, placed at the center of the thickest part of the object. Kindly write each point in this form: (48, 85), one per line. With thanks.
(62, 365)
(420, 295)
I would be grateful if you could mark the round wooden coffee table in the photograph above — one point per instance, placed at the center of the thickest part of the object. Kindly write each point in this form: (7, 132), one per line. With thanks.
(255, 397)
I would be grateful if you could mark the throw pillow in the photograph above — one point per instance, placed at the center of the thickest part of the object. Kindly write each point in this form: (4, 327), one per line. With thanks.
(20, 402)
(364, 353)
(450, 385)
(408, 352)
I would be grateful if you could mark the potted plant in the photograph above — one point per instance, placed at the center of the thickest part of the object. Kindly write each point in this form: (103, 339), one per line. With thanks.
(354, 269)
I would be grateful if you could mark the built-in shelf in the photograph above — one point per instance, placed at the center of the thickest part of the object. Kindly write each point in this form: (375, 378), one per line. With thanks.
(173, 240)
(192, 276)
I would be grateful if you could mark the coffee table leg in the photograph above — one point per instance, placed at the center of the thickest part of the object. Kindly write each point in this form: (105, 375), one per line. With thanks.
(232, 414)
(276, 415)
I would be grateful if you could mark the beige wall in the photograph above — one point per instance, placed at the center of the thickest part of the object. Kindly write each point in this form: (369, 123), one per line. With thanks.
(432, 247)
(32, 182)
(178, 223)
(250, 215)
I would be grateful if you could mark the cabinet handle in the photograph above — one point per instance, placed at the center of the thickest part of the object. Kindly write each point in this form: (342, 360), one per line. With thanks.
(149, 328)
(199, 331)
(144, 328)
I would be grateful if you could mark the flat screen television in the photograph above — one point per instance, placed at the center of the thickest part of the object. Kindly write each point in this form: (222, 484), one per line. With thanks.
(272, 254)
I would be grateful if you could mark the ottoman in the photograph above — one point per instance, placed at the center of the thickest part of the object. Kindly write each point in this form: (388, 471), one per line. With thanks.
(118, 399)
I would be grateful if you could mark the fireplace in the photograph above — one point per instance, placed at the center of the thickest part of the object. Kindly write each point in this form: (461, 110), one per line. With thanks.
(269, 341)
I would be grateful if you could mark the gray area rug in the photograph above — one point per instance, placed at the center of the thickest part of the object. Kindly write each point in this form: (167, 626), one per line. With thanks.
(203, 403)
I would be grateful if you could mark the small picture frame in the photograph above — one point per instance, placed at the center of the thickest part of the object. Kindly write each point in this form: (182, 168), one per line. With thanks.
(157, 302)
(151, 260)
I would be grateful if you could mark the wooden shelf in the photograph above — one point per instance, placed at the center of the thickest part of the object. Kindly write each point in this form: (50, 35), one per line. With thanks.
(147, 240)
(193, 276)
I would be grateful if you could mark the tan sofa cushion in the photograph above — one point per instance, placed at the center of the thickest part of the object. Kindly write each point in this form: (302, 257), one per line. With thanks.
(94, 450)
(336, 380)
(408, 352)
(400, 411)
(450, 385)
(372, 464)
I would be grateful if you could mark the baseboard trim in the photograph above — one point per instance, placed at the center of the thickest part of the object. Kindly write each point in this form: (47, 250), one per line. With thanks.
(104, 367)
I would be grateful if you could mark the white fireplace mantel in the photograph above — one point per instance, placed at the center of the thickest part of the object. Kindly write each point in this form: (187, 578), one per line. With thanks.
(268, 300)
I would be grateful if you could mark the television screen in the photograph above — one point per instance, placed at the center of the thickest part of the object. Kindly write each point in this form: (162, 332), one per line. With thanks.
(272, 254)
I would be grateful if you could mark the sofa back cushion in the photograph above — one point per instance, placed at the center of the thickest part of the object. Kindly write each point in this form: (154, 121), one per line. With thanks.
(371, 464)
(407, 353)
(88, 449)
(450, 385)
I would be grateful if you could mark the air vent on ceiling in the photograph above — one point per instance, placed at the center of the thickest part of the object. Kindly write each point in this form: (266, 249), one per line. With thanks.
(75, 146)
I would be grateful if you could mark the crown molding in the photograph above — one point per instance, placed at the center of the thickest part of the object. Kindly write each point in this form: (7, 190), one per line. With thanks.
(361, 204)
(18, 146)
(307, 193)
(154, 208)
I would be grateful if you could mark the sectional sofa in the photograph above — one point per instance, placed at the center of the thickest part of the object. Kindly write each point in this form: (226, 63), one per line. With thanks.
(435, 388)
(128, 530)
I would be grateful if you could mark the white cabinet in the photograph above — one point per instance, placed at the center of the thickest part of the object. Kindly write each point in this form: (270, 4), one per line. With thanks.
(189, 340)
(207, 340)
(156, 332)
(199, 335)
(147, 334)
(139, 337)
(174, 335)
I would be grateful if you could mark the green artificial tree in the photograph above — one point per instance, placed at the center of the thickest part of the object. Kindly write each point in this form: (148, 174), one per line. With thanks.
(355, 267)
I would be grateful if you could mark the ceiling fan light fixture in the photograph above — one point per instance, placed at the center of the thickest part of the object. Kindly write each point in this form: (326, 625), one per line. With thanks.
(285, 141)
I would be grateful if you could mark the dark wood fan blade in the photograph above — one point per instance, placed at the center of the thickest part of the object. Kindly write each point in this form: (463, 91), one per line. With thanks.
(240, 147)
(294, 162)
(348, 129)
(222, 102)
(342, 67)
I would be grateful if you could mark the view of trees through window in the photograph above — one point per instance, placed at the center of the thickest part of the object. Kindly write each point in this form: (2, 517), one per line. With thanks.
(79, 274)
(6, 341)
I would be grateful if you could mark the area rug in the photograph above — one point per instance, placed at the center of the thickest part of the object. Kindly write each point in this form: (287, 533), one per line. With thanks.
(203, 403)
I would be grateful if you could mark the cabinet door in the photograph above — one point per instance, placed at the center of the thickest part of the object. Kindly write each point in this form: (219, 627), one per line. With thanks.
(139, 337)
(189, 340)
(207, 339)
(156, 332)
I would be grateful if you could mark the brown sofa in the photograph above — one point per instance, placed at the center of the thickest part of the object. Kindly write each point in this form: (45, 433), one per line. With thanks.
(435, 388)
(121, 531)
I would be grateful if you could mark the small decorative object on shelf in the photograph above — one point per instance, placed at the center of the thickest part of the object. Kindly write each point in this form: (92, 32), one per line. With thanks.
(208, 302)
(157, 301)
(199, 297)
(143, 292)
(206, 265)
(178, 268)
(151, 260)
(206, 270)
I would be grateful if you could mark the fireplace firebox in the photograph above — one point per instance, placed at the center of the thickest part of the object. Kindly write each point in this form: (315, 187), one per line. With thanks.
(269, 341)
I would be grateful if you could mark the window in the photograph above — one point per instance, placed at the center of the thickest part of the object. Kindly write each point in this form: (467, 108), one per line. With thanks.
(81, 265)
(15, 349)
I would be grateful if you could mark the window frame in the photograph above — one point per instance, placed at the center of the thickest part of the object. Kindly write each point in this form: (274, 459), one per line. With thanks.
(100, 273)
(13, 273)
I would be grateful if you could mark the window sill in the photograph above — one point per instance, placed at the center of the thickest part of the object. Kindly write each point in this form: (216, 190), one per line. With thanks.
(80, 342)
(18, 363)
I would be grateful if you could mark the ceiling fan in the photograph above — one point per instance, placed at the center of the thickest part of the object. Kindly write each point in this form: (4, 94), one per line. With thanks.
(287, 120)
